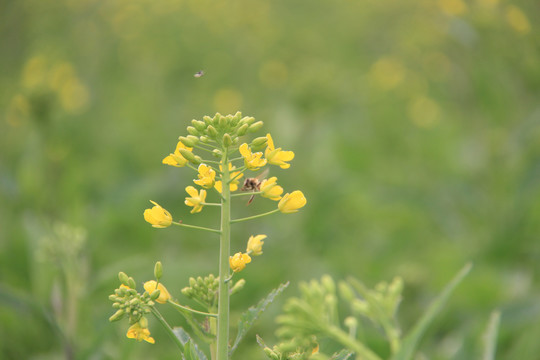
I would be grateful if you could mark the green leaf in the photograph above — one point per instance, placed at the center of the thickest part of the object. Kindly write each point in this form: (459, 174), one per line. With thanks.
(342, 355)
(248, 318)
(490, 336)
(190, 347)
(410, 342)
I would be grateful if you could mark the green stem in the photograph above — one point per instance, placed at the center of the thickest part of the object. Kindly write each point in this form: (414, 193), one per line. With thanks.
(247, 193)
(190, 309)
(224, 253)
(211, 204)
(362, 352)
(197, 227)
(167, 327)
(254, 216)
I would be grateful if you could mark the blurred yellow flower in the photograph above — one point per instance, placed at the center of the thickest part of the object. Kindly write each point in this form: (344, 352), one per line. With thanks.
(233, 186)
(238, 261)
(254, 245)
(387, 73)
(196, 200)
(177, 159)
(158, 216)
(517, 19)
(253, 161)
(290, 203)
(164, 295)
(207, 176)
(277, 156)
(139, 333)
(453, 7)
(270, 189)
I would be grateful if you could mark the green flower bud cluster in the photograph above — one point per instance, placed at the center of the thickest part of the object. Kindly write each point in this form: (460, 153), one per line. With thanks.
(203, 290)
(129, 302)
(295, 349)
(223, 130)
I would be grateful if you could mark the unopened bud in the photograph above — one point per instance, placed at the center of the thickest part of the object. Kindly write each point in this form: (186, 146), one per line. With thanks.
(258, 143)
(239, 285)
(188, 155)
(328, 284)
(193, 131)
(158, 270)
(186, 141)
(155, 294)
(193, 139)
(227, 141)
(346, 291)
(247, 120)
(255, 127)
(271, 353)
(222, 122)
(119, 314)
(131, 283)
(199, 125)
(215, 119)
(192, 282)
(143, 322)
(211, 131)
(242, 130)
(207, 119)
(217, 153)
(204, 139)
(122, 276)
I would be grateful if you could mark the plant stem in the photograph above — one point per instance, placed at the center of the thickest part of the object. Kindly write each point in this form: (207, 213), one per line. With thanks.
(197, 227)
(190, 309)
(254, 216)
(224, 253)
(167, 327)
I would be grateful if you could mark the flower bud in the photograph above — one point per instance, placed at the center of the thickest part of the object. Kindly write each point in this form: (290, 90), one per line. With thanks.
(204, 139)
(122, 276)
(329, 284)
(207, 119)
(199, 125)
(239, 285)
(242, 130)
(192, 282)
(158, 270)
(217, 153)
(155, 294)
(194, 139)
(211, 131)
(235, 119)
(215, 119)
(119, 314)
(346, 291)
(143, 322)
(271, 353)
(131, 283)
(188, 155)
(247, 120)
(255, 127)
(193, 131)
(227, 141)
(222, 122)
(186, 141)
(258, 143)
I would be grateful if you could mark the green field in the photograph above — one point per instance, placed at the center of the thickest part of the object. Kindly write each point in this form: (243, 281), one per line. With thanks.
(416, 129)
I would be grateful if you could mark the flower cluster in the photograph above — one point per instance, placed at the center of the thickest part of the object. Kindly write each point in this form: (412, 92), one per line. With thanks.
(135, 306)
(218, 135)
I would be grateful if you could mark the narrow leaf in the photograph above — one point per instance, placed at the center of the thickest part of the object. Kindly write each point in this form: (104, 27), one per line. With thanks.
(490, 336)
(248, 318)
(191, 348)
(411, 340)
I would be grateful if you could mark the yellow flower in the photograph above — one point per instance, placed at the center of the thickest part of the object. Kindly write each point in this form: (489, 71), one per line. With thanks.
(238, 261)
(233, 186)
(292, 202)
(277, 156)
(254, 245)
(164, 295)
(253, 161)
(270, 189)
(196, 200)
(207, 177)
(176, 159)
(139, 333)
(158, 216)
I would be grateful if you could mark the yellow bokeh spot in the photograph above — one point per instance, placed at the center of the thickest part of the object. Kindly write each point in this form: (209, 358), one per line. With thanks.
(60, 74)
(517, 19)
(34, 72)
(489, 4)
(73, 96)
(423, 111)
(19, 109)
(453, 7)
(273, 74)
(227, 101)
(387, 73)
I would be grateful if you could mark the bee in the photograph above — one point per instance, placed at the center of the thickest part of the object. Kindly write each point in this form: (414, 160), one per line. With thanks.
(199, 74)
(254, 184)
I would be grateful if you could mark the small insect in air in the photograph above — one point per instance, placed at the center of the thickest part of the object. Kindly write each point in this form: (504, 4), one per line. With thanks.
(198, 74)
(254, 184)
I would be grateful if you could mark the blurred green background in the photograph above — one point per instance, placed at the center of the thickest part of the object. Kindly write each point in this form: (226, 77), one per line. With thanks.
(416, 128)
